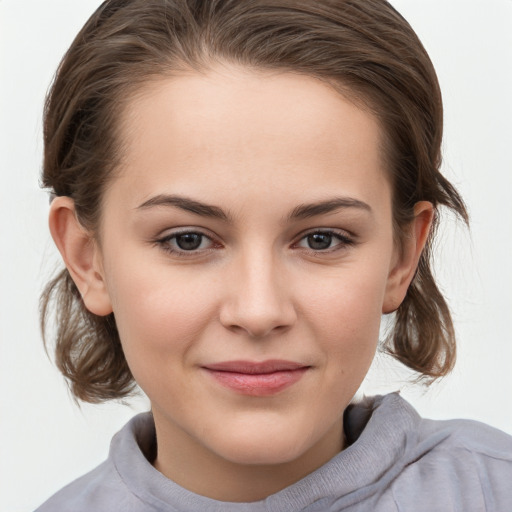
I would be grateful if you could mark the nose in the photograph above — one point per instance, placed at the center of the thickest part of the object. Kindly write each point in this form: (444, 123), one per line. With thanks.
(258, 299)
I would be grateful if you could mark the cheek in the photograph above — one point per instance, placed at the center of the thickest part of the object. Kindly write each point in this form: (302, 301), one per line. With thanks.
(348, 299)
(345, 314)
(158, 314)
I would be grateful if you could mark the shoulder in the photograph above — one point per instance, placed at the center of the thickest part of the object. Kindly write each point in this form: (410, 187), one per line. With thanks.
(464, 463)
(99, 490)
(469, 436)
(104, 489)
(454, 465)
(428, 436)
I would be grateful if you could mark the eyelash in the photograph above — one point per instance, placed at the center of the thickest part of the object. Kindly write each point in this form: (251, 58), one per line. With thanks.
(165, 243)
(344, 241)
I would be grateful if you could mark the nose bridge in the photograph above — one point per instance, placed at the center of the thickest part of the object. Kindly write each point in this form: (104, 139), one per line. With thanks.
(259, 300)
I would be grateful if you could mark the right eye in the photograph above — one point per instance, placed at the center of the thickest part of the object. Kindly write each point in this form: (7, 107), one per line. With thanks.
(185, 242)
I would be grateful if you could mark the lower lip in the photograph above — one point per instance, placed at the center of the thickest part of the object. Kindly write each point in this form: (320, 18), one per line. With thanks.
(260, 384)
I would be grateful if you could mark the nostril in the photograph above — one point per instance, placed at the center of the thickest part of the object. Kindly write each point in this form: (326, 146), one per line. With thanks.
(258, 303)
(257, 328)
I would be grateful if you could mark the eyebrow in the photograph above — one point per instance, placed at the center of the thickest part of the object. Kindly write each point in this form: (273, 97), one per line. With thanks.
(306, 211)
(187, 204)
(303, 211)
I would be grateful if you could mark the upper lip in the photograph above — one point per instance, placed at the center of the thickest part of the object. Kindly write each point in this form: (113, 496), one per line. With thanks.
(254, 368)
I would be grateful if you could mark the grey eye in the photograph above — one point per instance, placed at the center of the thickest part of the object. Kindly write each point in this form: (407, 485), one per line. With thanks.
(319, 241)
(189, 241)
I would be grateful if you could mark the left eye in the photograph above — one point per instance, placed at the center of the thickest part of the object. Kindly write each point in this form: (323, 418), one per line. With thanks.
(322, 241)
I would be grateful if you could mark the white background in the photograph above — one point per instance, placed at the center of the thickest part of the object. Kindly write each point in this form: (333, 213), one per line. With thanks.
(46, 441)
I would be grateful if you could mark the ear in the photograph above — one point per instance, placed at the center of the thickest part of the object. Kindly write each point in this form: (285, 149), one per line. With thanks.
(407, 256)
(81, 255)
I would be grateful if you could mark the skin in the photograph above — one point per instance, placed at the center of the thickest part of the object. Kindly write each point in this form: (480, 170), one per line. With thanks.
(258, 146)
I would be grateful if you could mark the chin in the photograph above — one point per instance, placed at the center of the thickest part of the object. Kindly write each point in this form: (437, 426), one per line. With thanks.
(262, 446)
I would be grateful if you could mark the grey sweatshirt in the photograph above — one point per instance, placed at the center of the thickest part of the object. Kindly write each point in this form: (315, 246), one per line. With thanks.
(396, 462)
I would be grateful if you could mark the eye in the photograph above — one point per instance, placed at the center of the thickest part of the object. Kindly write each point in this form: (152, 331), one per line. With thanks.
(324, 241)
(185, 242)
(189, 241)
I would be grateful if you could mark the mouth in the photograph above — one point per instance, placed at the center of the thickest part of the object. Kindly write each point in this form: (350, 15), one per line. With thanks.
(257, 378)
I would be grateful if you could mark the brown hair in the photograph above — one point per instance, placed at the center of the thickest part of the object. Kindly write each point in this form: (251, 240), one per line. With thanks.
(362, 47)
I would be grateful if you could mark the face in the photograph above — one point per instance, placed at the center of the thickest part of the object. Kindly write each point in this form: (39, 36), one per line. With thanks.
(247, 252)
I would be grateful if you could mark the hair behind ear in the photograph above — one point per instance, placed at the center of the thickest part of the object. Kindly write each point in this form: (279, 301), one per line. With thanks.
(88, 350)
(422, 336)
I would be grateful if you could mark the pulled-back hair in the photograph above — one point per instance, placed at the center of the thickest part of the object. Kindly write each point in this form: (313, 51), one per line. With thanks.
(364, 48)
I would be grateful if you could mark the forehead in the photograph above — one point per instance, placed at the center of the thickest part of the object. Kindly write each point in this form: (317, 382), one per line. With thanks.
(241, 129)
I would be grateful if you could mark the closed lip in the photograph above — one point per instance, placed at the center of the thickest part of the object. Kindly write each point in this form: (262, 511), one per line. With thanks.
(261, 379)
(255, 368)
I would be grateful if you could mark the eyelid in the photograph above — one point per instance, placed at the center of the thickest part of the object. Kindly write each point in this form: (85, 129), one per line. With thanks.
(170, 232)
(162, 241)
(346, 239)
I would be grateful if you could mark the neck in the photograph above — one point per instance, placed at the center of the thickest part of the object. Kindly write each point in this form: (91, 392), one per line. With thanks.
(200, 470)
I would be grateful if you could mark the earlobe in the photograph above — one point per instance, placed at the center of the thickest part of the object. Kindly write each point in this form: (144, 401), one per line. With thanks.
(80, 254)
(403, 270)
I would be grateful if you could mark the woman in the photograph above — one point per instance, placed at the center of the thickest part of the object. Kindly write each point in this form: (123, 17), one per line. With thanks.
(242, 189)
